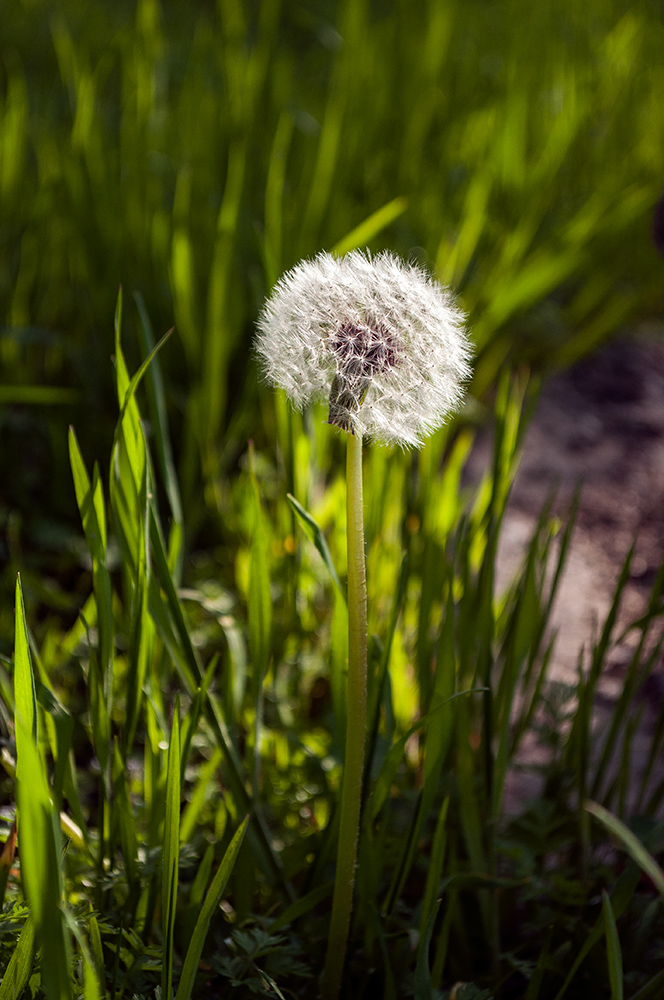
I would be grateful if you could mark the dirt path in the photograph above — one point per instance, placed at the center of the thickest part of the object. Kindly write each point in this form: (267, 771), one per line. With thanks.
(603, 423)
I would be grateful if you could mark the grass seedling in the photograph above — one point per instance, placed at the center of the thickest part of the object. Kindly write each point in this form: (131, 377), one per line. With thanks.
(385, 346)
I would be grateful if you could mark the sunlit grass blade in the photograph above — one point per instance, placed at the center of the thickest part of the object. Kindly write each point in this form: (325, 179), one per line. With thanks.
(39, 845)
(60, 726)
(315, 535)
(212, 898)
(366, 231)
(25, 695)
(171, 625)
(19, 969)
(90, 500)
(154, 381)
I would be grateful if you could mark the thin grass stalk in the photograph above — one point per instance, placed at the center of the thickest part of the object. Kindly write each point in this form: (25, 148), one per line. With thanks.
(351, 794)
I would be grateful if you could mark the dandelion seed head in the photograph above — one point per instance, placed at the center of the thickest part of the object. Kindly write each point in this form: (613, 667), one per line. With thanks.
(376, 337)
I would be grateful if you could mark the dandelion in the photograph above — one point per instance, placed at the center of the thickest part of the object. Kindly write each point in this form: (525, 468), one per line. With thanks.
(384, 345)
(377, 338)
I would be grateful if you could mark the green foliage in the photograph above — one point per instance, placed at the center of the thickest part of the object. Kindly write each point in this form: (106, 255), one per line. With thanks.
(231, 893)
(196, 152)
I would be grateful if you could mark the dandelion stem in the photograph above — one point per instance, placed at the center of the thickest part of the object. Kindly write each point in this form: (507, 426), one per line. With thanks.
(351, 792)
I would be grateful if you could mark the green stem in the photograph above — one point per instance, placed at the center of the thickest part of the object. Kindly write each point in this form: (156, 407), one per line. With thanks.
(351, 792)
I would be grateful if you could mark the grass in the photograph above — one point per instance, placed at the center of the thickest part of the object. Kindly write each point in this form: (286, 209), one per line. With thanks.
(186, 744)
(172, 681)
(194, 154)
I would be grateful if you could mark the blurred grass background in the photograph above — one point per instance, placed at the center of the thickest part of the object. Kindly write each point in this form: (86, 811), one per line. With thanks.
(192, 152)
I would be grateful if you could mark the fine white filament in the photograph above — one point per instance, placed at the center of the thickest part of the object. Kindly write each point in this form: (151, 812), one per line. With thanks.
(376, 337)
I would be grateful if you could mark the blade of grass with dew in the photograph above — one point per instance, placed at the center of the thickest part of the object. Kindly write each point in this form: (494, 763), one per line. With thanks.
(170, 853)
(214, 893)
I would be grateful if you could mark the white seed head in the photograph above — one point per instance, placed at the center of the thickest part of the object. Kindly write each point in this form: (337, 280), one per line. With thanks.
(376, 337)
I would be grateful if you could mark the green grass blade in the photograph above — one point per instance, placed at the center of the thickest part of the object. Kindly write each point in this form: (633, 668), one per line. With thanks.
(315, 535)
(652, 990)
(214, 893)
(614, 954)
(435, 867)
(259, 611)
(19, 969)
(25, 695)
(124, 818)
(302, 906)
(61, 730)
(170, 853)
(537, 978)
(630, 843)
(620, 900)
(158, 413)
(39, 845)
(422, 983)
(363, 234)
(196, 894)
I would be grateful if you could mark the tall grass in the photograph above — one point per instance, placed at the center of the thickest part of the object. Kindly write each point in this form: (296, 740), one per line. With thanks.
(188, 745)
(195, 153)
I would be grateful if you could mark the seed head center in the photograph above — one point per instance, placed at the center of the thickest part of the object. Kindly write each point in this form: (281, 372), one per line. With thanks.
(360, 352)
